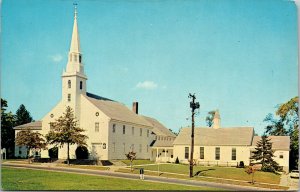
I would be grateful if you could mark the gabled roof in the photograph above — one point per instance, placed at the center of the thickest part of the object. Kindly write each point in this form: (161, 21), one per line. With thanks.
(118, 111)
(158, 128)
(278, 142)
(163, 142)
(239, 136)
(37, 125)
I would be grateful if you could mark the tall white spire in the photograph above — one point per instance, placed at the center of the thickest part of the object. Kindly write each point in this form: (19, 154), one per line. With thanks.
(75, 44)
(216, 120)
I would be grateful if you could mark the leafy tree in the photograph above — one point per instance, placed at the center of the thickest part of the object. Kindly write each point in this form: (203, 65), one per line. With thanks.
(131, 156)
(23, 116)
(250, 170)
(30, 139)
(287, 123)
(209, 118)
(65, 130)
(263, 155)
(7, 131)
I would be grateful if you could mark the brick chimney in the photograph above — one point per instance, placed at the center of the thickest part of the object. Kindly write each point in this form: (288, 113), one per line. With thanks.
(135, 107)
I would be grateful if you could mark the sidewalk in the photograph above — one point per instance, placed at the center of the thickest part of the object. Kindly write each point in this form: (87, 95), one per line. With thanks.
(291, 183)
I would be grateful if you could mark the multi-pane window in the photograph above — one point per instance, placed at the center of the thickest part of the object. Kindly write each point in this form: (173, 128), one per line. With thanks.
(51, 125)
(186, 152)
(132, 130)
(69, 97)
(114, 128)
(123, 129)
(201, 152)
(97, 127)
(69, 84)
(233, 154)
(140, 148)
(217, 153)
(141, 131)
(147, 132)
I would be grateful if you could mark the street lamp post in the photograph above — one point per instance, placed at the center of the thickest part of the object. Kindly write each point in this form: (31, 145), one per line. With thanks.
(194, 105)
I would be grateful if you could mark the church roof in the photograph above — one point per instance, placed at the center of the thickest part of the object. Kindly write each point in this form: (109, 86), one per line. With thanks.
(158, 128)
(36, 125)
(238, 136)
(163, 143)
(278, 142)
(97, 97)
(118, 111)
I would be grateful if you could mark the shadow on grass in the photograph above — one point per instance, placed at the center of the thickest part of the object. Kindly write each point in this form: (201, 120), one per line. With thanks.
(199, 173)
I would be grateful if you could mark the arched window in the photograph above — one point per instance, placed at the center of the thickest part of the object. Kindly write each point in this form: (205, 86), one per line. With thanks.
(80, 85)
(69, 83)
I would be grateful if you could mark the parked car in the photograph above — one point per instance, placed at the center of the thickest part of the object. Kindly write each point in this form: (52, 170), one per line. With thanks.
(294, 174)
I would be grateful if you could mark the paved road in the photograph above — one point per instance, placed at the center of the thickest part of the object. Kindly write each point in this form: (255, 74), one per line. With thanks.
(135, 176)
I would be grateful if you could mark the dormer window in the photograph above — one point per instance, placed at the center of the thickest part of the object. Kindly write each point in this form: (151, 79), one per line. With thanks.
(69, 84)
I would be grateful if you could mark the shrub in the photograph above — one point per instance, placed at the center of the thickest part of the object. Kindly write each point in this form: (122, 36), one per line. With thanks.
(177, 161)
(242, 165)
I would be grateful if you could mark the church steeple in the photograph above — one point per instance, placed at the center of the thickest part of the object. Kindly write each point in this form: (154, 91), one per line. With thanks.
(75, 58)
(75, 44)
(73, 78)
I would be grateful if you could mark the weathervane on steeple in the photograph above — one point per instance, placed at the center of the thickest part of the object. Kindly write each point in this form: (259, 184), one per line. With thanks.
(75, 12)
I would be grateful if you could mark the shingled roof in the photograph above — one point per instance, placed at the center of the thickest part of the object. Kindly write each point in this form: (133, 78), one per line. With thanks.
(278, 142)
(37, 125)
(158, 128)
(239, 136)
(118, 111)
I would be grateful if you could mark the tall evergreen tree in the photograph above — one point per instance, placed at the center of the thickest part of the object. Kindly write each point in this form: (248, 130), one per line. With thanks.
(23, 116)
(65, 130)
(7, 131)
(263, 155)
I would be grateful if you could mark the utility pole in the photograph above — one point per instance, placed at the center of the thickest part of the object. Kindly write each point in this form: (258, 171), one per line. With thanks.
(194, 105)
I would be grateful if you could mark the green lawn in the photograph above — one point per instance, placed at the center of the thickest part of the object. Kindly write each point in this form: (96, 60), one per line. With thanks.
(138, 162)
(26, 179)
(219, 172)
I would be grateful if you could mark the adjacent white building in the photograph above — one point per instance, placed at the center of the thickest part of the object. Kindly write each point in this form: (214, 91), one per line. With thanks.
(226, 146)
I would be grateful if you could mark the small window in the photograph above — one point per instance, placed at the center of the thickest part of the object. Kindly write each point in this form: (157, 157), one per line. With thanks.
(217, 153)
(281, 156)
(69, 84)
(97, 127)
(69, 97)
(201, 152)
(132, 130)
(141, 132)
(123, 129)
(114, 128)
(147, 132)
(186, 152)
(79, 58)
(140, 148)
(80, 85)
(233, 154)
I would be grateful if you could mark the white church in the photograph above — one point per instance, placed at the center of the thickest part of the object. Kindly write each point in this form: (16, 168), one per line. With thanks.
(113, 130)
(111, 127)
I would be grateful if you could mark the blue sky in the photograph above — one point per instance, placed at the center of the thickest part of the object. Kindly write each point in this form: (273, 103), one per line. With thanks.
(237, 56)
